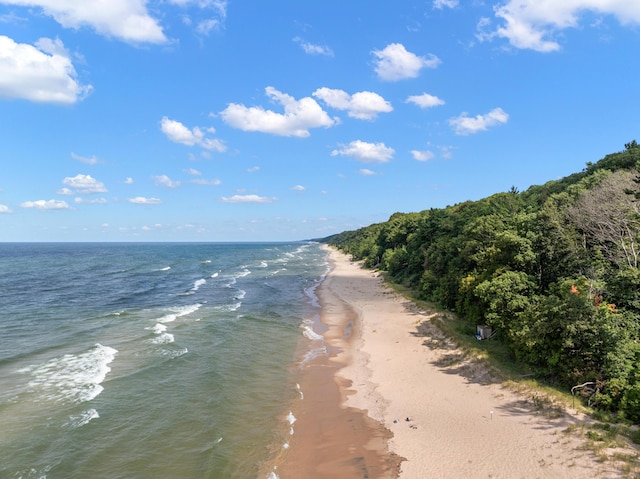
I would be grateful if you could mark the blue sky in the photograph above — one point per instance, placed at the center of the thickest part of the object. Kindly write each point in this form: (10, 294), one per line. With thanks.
(246, 120)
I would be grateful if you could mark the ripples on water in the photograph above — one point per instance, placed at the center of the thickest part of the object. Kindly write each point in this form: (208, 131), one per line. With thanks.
(154, 360)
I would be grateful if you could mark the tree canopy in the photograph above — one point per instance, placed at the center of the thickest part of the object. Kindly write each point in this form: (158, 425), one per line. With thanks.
(553, 269)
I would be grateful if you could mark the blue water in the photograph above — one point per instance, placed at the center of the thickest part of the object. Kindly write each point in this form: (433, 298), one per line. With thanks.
(152, 360)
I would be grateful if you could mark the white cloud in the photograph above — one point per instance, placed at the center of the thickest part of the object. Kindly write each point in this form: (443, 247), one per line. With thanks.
(83, 184)
(179, 133)
(126, 20)
(366, 152)
(396, 63)
(253, 169)
(46, 205)
(425, 100)
(192, 172)
(422, 155)
(246, 199)
(367, 172)
(202, 181)
(439, 4)
(128, 180)
(298, 117)
(141, 200)
(89, 160)
(364, 105)
(531, 24)
(312, 49)
(93, 201)
(298, 188)
(42, 73)
(5, 209)
(207, 25)
(164, 180)
(465, 125)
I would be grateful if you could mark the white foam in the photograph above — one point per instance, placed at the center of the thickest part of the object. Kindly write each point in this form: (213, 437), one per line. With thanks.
(214, 275)
(291, 419)
(299, 391)
(179, 311)
(166, 268)
(163, 338)
(73, 377)
(311, 335)
(198, 283)
(314, 353)
(273, 475)
(83, 418)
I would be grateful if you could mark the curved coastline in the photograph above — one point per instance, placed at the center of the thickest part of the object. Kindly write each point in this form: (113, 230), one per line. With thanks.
(385, 401)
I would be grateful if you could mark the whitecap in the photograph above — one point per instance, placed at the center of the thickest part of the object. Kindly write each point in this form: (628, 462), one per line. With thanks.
(179, 311)
(73, 377)
(83, 418)
(198, 283)
(215, 275)
(166, 268)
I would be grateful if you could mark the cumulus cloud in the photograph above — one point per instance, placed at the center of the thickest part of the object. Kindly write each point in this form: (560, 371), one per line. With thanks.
(42, 73)
(5, 209)
(46, 205)
(299, 116)
(164, 180)
(312, 49)
(366, 152)
(531, 24)
(367, 172)
(126, 20)
(394, 63)
(141, 200)
(298, 188)
(422, 155)
(179, 133)
(425, 100)
(364, 105)
(466, 125)
(246, 199)
(83, 184)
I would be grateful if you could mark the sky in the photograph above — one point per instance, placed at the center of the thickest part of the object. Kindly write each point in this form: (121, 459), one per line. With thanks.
(281, 120)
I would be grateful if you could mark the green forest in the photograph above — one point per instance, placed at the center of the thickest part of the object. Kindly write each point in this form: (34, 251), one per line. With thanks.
(553, 270)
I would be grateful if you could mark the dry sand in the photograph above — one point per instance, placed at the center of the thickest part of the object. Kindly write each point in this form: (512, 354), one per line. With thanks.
(395, 399)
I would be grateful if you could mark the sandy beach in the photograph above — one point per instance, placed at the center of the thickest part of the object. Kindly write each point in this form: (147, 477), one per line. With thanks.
(393, 398)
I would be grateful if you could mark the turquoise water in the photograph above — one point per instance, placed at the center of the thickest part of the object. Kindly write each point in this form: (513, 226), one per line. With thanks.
(151, 360)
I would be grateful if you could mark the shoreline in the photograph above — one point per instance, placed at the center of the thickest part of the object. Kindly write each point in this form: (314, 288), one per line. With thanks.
(394, 399)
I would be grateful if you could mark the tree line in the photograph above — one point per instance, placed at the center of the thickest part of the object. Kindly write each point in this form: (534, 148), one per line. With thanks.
(554, 270)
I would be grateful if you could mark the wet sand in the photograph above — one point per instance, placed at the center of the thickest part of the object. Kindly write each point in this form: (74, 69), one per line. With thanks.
(393, 399)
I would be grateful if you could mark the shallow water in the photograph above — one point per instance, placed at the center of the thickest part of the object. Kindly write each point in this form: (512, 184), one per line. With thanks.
(151, 360)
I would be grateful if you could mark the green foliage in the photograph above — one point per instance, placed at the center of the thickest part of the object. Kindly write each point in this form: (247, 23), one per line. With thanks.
(553, 269)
